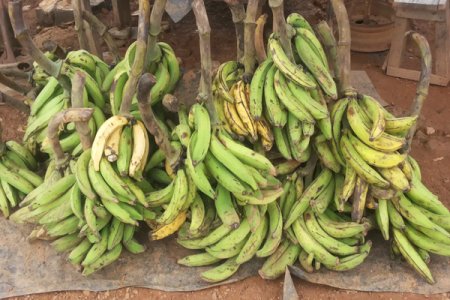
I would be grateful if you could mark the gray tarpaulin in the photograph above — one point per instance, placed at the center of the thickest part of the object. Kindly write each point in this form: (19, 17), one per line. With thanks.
(177, 9)
(35, 268)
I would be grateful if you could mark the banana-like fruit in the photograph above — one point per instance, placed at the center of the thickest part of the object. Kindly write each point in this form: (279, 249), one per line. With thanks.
(141, 148)
(292, 71)
(305, 44)
(411, 255)
(257, 89)
(103, 133)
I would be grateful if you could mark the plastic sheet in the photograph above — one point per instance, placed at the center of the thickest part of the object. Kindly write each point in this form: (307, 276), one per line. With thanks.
(36, 268)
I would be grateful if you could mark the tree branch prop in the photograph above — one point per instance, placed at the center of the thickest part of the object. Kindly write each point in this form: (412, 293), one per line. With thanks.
(260, 48)
(13, 85)
(249, 44)
(238, 15)
(328, 40)
(204, 31)
(343, 47)
(139, 58)
(102, 30)
(279, 26)
(82, 128)
(24, 38)
(66, 116)
(423, 84)
(153, 51)
(79, 28)
(145, 84)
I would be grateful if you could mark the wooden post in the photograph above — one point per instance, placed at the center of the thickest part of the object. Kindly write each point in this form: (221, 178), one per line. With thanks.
(79, 27)
(238, 15)
(121, 13)
(93, 38)
(7, 35)
(24, 38)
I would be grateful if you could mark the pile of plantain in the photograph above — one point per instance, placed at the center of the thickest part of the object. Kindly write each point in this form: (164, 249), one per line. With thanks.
(280, 168)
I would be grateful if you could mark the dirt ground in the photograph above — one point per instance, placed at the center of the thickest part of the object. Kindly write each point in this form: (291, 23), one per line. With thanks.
(431, 151)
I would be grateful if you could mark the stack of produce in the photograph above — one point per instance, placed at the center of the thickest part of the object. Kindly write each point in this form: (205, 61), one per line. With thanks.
(119, 161)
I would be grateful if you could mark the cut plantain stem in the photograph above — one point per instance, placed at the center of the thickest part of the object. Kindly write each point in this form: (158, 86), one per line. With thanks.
(204, 30)
(63, 117)
(139, 58)
(77, 102)
(343, 46)
(249, 33)
(260, 49)
(145, 84)
(155, 29)
(23, 36)
(238, 15)
(279, 26)
(424, 82)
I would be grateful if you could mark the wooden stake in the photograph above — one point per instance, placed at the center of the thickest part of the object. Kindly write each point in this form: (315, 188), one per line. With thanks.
(92, 37)
(6, 34)
(102, 30)
(238, 15)
(78, 17)
(121, 12)
(13, 85)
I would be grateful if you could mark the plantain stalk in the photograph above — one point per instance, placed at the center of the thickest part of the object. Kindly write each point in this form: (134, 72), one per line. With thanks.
(82, 128)
(279, 26)
(65, 116)
(153, 51)
(139, 58)
(145, 84)
(260, 49)
(205, 90)
(423, 84)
